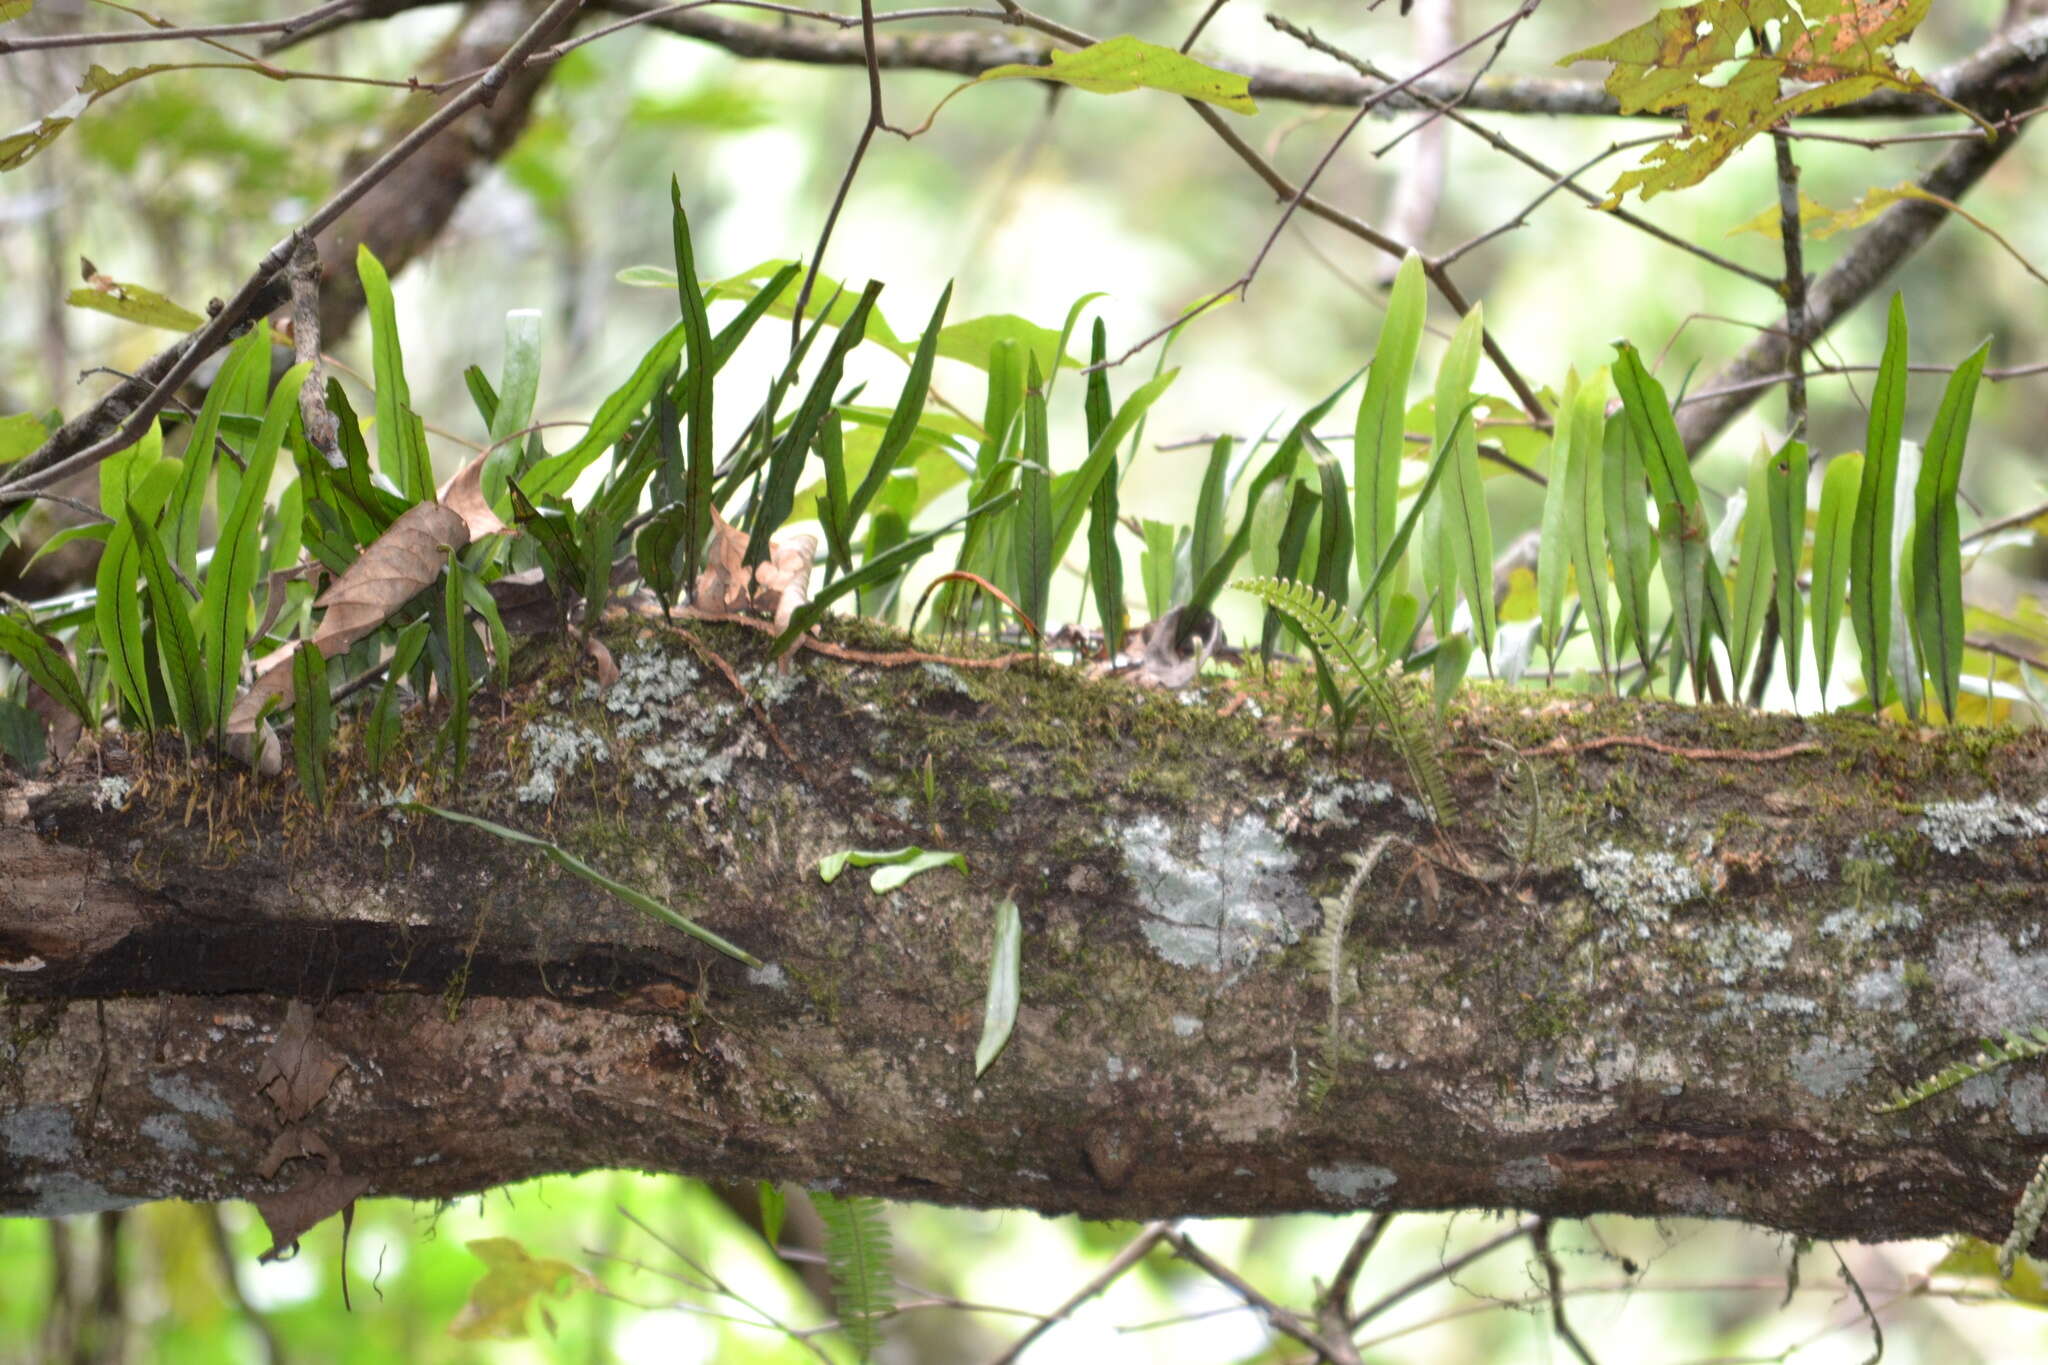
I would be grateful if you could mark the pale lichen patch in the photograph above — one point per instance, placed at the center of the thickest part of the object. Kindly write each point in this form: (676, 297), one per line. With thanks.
(1353, 1183)
(1989, 987)
(1640, 888)
(1738, 952)
(1236, 897)
(1827, 1068)
(554, 748)
(1955, 827)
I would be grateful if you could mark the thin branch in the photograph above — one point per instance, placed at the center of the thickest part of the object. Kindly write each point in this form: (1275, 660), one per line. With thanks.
(1554, 1278)
(1134, 1251)
(45, 42)
(56, 458)
(1559, 180)
(860, 150)
(1399, 1295)
(1973, 79)
(1900, 231)
(1283, 1320)
(1792, 234)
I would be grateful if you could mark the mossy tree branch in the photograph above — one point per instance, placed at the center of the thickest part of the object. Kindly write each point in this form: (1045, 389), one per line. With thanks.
(1664, 962)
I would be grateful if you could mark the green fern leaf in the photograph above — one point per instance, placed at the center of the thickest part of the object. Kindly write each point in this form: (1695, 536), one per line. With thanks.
(858, 1257)
(2017, 1047)
(1343, 641)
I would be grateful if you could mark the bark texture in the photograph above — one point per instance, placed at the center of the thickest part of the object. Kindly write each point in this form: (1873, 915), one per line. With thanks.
(1660, 960)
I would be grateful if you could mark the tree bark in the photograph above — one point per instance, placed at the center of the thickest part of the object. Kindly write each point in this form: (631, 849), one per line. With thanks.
(1660, 960)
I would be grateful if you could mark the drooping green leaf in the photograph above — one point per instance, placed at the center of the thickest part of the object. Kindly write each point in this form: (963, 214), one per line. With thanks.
(1118, 65)
(1453, 660)
(569, 862)
(134, 303)
(1870, 546)
(1937, 536)
(999, 1012)
(1378, 441)
(1833, 548)
(1788, 539)
(42, 658)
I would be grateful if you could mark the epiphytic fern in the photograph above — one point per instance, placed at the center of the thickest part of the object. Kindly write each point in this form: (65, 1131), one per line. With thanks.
(858, 1256)
(1326, 951)
(2017, 1047)
(1342, 641)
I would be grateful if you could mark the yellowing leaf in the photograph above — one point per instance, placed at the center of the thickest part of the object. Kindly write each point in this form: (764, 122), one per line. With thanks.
(135, 304)
(496, 1310)
(1124, 63)
(1974, 1260)
(1838, 50)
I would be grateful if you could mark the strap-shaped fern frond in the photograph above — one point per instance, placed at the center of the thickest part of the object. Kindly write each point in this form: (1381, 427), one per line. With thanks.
(1344, 643)
(858, 1257)
(2017, 1047)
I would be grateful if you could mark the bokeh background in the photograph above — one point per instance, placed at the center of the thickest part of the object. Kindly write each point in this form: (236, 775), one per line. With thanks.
(1026, 201)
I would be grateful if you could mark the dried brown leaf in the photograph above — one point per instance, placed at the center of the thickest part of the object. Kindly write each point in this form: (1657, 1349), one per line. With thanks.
(724, 585)
(299, 1068)
(298, 1210)
(783, 580)
(464, 496)
(390, 571)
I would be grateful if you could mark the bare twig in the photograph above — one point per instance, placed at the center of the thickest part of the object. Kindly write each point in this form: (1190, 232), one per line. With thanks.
(1134, 1251)
(860, 150)
(1554, 1277)
(60, 455)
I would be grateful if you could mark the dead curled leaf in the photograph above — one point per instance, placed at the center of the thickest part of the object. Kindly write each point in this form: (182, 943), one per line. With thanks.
(464, 496)
(390, 571)
(300, 1067)
(777, 586)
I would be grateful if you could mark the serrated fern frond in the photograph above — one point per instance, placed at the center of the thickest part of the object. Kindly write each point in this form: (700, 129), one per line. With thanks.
(2017, 1047)
(1343, 641)
(2026, 1220)
(1326, 951)
(858, 1257)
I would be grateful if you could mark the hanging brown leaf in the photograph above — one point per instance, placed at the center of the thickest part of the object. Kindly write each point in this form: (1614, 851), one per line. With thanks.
(776, 587)
(464, 496)
(389, 572)
(724, 584)
(783, 580)
(303, 1207)
(299, 1068)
